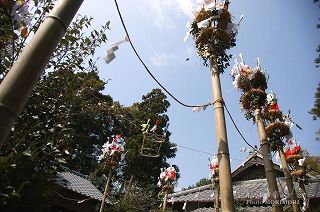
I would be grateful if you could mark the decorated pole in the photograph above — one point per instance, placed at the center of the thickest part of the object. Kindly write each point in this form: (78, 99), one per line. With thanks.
(166, 181)
(253, 83)
(16, 87)
(295, 160)
(288, 178)
(227, 201)
(112, 154)
(214, 33)
(106, 192)
(268, 164)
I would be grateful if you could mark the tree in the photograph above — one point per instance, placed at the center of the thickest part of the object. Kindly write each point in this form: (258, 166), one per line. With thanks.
(67, 118)
(201, 182)
(311, 165)
(146, 170)
(62, 121)
(140, 199)
(315, 111)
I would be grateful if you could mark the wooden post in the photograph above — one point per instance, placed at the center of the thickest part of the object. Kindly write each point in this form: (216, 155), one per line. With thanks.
(129, 187)
(227, 201)
(291, 191)
(165, 198)
(304, 196)
(216, 194)
(268, 164)
(106, 190)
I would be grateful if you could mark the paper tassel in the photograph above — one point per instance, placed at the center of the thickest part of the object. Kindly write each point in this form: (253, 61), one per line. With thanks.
(115, 46)
(301, 161)
(205, 2)
(277, 157)
(184, 206)
(243, 149)
(201, 108)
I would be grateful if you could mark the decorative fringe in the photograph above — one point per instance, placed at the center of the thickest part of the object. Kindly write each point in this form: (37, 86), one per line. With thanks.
(252, 99)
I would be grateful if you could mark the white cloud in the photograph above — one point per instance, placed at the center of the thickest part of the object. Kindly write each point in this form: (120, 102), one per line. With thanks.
(165, 60)
(164, 11)
(159, 59)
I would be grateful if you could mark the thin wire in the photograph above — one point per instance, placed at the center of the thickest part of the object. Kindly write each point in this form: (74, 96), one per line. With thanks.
(235, 125)
(196, 150)
(200, 151)
(147, 69)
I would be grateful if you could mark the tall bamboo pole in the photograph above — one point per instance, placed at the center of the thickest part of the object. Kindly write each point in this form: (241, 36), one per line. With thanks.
(17, 85)
(268, 164)
(291, 191)
(106, 192)
(227, 201)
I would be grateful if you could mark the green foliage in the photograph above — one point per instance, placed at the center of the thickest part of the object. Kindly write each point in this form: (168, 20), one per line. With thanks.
(315, 111)
(77, 48)
(201, 182)
(67, 120)
(27, 177)
(146, 170)
(63, 121)
(312, 165)
(18, 21)
(139, 199)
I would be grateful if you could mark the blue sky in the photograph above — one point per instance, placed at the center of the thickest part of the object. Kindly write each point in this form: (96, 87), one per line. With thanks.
(282, 33)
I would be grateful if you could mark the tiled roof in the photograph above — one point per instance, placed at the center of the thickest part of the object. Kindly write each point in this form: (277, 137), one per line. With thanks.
(79, 183)
(244, 190)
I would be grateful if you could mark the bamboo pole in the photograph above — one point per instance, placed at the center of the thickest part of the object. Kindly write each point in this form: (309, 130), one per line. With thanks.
(268, 164)
(291, 191)
(216, 194)
(106, 192)
(129, 187)
(18, 84)
(165, 198)
(306, 207)
(227, 201)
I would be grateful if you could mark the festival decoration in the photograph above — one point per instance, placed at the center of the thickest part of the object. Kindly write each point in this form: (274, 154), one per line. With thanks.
(213, 32)
(214, 167)
(115, 46)
(293, 155)
(112, 152)
(201, 107)
(292, 151)
(252, 82)
(167, 178)
(145, 127)
(272, 102)
(246, 78)
(278, 125)
(152, 139)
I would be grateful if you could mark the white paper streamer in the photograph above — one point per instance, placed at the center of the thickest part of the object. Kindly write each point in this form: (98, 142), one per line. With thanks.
(184, 206)
(243, 149)
(115, 46)
(301, 161)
